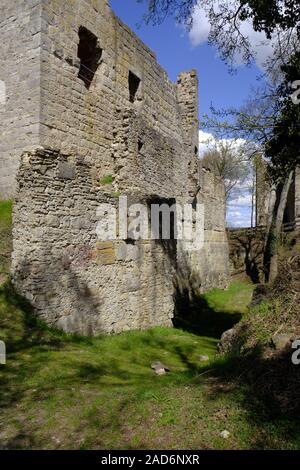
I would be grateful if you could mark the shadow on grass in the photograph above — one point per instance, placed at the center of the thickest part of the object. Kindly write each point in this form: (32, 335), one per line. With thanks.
(44, 365)
(193, 314)
(33, 331)
(266, 388)
(265, 384)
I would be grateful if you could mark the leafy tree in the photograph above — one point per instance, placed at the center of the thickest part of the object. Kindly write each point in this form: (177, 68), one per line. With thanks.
(265, 14)
(229, 161)
(226, 18)
(283, 148)
(273, 121)
(283, 152)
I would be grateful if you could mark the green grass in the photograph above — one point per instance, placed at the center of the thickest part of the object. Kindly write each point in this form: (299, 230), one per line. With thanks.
(5, 236)
(216, 311)
(6, 213)
(234, 300)
(62, 391)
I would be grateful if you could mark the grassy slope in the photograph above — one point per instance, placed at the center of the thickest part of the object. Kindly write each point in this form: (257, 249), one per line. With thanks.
(60, 391)
(277, 309)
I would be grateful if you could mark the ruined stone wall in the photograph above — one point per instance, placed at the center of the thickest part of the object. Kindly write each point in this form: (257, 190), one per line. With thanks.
(115, 127)
(82, 120)
(297, 197)
(212, 261)
(80, 284)
(74, 281)
(20, 31)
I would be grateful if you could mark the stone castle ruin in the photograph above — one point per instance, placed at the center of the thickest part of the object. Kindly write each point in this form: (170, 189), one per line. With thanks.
(89, 116)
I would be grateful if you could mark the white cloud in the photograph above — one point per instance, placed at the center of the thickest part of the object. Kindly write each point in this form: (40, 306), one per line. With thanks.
(242, 199)
(239, 211)
(206, 141)
(262, 47)
(235, 213)
(201, 27)
(242, 221)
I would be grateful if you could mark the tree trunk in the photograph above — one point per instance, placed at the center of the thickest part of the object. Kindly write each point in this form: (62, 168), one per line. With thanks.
(274, 229)
(253, 190)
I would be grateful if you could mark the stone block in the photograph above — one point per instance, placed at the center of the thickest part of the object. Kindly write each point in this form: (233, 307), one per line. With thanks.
(66, 171)
(104, 253)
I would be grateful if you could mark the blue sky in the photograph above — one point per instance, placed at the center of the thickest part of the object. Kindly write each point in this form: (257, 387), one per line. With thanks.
(176, 51)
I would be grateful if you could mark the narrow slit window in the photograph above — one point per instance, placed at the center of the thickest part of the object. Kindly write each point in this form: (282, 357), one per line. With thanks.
(140, 145)
(134, 84)
(89, 53)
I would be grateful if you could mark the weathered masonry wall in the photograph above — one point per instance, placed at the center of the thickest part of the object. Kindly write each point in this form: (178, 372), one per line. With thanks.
(20, 32)
(110, 123)
(79, 117)
(83, 285)
(74, 281)
(212, 261)
(297, 197)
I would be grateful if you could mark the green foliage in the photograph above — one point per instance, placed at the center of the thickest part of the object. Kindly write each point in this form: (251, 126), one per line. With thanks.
(267, 15)
(262, 322)
(108, 179)
(283, 147)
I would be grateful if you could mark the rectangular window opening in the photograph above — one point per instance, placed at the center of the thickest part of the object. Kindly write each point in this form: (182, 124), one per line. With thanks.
(89, 53)
(133, 84)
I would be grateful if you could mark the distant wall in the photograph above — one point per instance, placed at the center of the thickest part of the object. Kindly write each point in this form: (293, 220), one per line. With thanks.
(246, 253)
(212, 261)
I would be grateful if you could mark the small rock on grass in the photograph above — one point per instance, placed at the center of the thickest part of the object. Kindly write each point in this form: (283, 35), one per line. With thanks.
(225, 434)
(203, 358)
(159, 367)
(281, 341)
